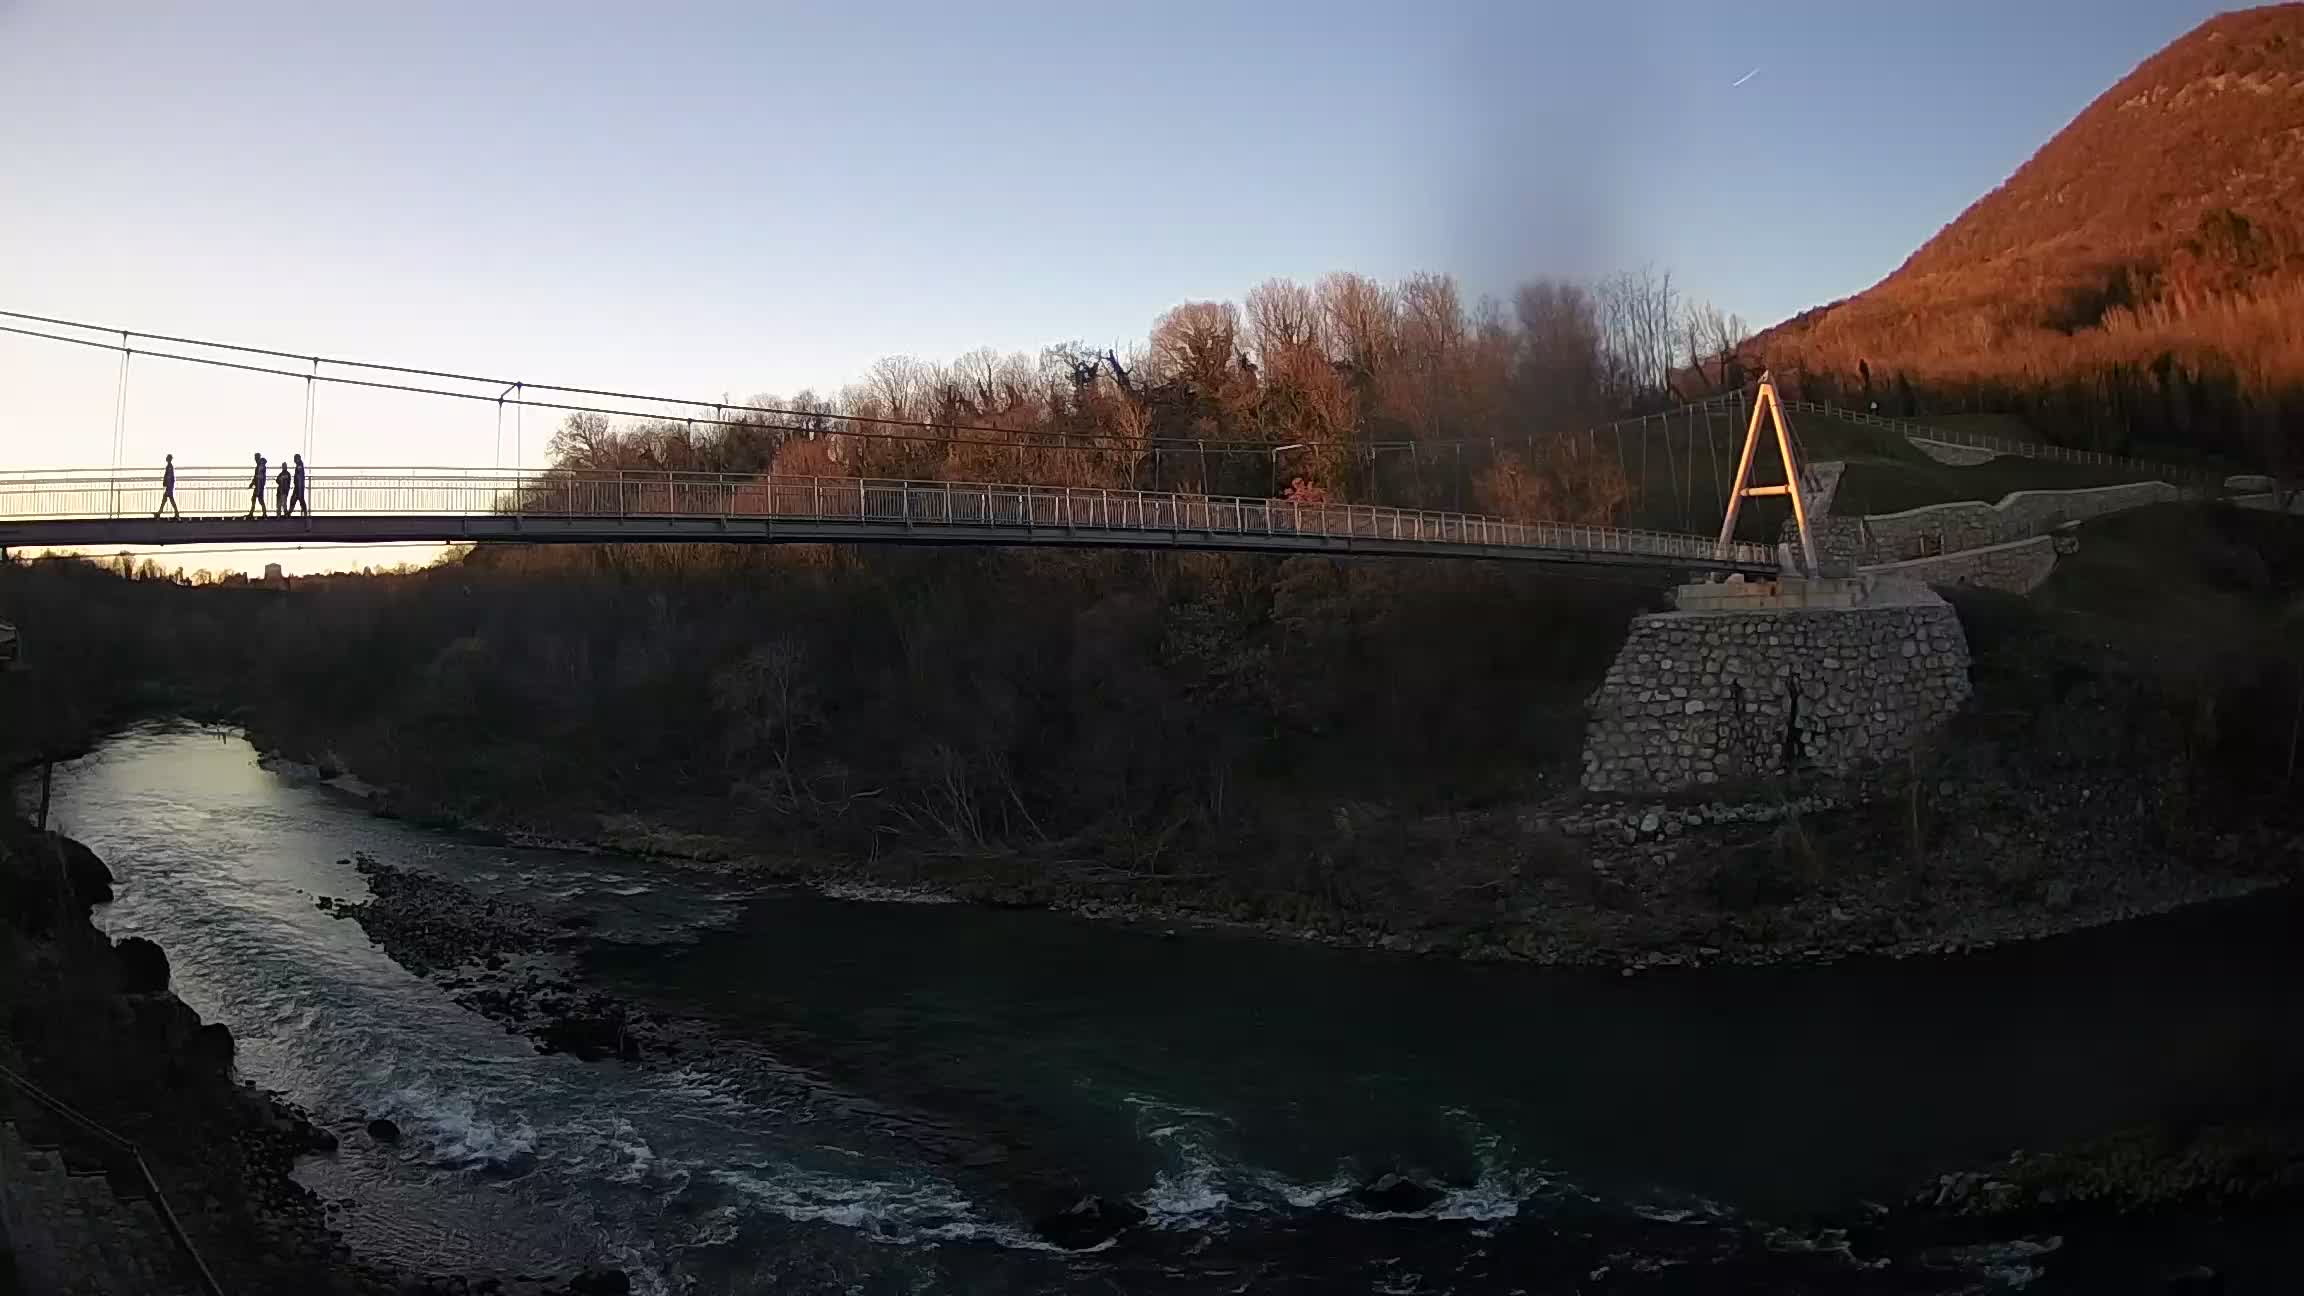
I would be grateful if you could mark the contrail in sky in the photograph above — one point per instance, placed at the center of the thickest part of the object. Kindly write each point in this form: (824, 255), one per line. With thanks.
(1744, 78)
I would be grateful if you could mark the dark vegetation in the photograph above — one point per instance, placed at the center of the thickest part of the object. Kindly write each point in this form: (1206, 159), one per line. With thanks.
(1136, 710)
(2134, 287)
(1297, 741)
(102, 649)
(2205, 607)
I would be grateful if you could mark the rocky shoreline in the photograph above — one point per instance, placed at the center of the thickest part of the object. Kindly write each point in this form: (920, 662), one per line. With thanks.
(94, 1020)
(500, 959)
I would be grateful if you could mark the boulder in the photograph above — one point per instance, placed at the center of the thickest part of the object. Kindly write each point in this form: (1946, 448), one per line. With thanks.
(90, 881)
(143, 965)
(383, 1131)
(589, 1038)
(1397, 1195)
(210, 1049)
(1088, 1222)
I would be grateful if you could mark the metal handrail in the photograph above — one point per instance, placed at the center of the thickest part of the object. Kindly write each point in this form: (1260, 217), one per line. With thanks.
(167, 1215)
(899, 503)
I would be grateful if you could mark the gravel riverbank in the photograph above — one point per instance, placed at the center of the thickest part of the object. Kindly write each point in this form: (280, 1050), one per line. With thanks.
(1874, 866)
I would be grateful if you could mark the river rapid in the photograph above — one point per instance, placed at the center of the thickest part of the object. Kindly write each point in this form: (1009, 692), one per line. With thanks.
(1585, 1130)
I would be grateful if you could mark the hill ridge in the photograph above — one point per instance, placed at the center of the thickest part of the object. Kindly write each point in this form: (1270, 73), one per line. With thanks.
(2133, 281)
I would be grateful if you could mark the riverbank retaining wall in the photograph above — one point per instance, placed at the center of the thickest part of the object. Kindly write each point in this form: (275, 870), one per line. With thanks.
(1698, 698)
(2018, 567)
(1970, 524)
(1953, 453)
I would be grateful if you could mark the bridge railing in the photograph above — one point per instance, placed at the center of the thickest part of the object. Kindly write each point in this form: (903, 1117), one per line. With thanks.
(893, 504)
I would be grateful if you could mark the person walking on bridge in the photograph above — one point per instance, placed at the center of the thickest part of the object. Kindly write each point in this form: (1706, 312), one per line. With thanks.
(296, 498)
(168, 490)
(281, 507)
(256, 487)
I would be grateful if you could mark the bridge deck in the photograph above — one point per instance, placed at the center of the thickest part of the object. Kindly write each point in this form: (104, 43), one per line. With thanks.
(83, 509)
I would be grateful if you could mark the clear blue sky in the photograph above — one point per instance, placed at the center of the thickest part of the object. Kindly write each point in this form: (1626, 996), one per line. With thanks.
(748, 198)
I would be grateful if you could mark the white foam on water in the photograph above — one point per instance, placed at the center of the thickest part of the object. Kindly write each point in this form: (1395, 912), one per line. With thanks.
(1680, 1208)
(875, 893)
(1498, 1193)
(2004, 1266)
(459, 1135)
(1203, 1185)
(1190, 1195)
(614, 1150)
(914, 1213)
(1197, 1187)
(1308, 1196)
(710, 1091)
(1156, 1108)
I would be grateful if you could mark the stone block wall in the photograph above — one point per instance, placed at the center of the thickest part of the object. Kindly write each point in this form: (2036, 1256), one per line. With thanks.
(1697, 698)
(1969, 524)
(2019, 567)
(1840, 543)
(1823, 482)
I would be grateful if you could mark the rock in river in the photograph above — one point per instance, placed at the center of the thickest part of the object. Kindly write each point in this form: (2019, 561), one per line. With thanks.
(1089, 1221)
(143, 966)
(1397, 1195)
(383, 1131)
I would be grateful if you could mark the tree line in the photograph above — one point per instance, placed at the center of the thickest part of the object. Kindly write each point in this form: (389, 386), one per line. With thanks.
(1347, 389)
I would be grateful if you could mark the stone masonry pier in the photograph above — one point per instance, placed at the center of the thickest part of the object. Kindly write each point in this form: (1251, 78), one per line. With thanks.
(1753, 679)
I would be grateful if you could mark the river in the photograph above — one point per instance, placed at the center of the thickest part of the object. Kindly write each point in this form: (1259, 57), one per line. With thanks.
(1236, 1088)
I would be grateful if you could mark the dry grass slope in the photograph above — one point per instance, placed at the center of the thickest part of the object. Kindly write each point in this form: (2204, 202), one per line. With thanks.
(2138, 281)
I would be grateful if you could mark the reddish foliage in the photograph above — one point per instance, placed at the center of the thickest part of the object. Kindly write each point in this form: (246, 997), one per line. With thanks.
(2151, 252)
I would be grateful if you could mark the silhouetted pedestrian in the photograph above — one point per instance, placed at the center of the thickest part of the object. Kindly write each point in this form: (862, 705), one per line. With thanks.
(256, 487)
(297, 500)
(168, 489)
(284, 480)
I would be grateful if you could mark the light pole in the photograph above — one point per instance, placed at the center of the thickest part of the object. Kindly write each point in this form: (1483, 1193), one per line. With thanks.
(1293, 445)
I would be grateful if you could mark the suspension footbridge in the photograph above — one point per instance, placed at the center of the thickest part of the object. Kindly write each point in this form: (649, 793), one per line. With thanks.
(380, 505)
(120, 506)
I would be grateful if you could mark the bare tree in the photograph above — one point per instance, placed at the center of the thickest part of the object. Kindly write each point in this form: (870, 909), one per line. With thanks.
(900, 386)
(1713, 339)
(1639, 318)
(1196, 343)
(1562, 366)
(767, 700)
(1422, 386)
(1361, 319)
(1283, 316)
(585, 441)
